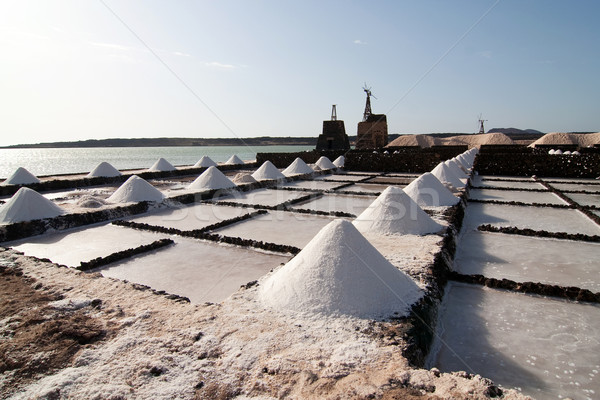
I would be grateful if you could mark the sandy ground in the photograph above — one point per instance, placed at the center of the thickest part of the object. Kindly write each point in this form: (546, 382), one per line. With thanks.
(68, 334)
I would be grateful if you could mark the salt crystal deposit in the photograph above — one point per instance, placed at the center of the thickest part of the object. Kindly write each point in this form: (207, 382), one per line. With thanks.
(340, 273)
(234, 160)
(428, 191)
(21, 177)
(325, 163)
(211, 179)
(27, 205)
(135, 189)
(205, 162)
(341, 160)
(267, 172)
(89, 201)
(162, 165)
(447, 176)
(104, 169)
(394, 212)
(298, 167)
(243, 178)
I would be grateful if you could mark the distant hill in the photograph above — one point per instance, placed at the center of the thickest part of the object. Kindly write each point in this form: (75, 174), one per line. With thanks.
(519, 134)
(166, 142)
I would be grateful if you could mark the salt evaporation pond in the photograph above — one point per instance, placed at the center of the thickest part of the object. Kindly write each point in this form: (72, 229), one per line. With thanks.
(366, 187)
(266, 197)
(73, 246)
(344, 178)
(196, 216)
(201, 271)
(279, 227)
(574, 186)
(537, 218)
(510, 185)
(556, 261)
(585, 199)
(516, 195)
(396, 181)
(338, 202)
(313, 184)
(547, 348)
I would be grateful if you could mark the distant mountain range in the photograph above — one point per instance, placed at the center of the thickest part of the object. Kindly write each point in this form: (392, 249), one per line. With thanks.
(513, 133)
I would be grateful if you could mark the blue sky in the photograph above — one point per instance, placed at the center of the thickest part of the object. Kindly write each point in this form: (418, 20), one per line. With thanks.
(76, 70)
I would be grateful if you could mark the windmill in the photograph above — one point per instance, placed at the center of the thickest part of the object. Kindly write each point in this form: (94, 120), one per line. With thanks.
(480, 123)
(367, 112)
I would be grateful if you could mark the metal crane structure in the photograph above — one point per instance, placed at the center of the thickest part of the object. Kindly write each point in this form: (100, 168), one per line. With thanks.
(367, 112)
(481, 128)
(372, 132)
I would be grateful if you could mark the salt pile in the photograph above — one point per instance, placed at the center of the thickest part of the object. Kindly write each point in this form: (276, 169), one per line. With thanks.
(104, 169)
(340, 273)
(414, 140)
(27, 205)
(447, 176)
(462, 160)
(267, 172)
(205, 162)
(90, 201)
(456, 168)
(234, 160)
(21, 177)
(428, 191)
(243, 178)
(135, 189)
(298, 167)
(394, 212)
(162, 165)
(325, 163)
(211, 179)
(339, 162)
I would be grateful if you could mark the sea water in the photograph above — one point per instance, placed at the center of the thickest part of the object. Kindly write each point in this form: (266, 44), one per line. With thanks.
(56, 161)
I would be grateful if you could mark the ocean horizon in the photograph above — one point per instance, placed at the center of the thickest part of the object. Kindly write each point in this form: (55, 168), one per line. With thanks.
(57, 161)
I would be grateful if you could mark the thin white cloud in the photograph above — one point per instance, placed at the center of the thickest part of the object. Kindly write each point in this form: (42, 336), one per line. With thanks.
(358, 41)
(486, 54)
(111, 46)
(180, 54)
(215, 64)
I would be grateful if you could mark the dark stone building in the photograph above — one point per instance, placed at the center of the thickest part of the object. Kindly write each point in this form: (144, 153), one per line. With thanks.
(334, 135)
(372, 133)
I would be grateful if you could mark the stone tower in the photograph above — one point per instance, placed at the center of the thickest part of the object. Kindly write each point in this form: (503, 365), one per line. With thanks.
(334, 134)
(372, 132)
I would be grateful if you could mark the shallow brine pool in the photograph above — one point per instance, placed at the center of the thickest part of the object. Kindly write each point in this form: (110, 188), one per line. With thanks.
(201, 271)
(547, 348)
(279, 227)
(516, 195)
(529, 259)
(338, 202)
(73, 246)
(265, 197)
(192, 217)
(536, 218)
